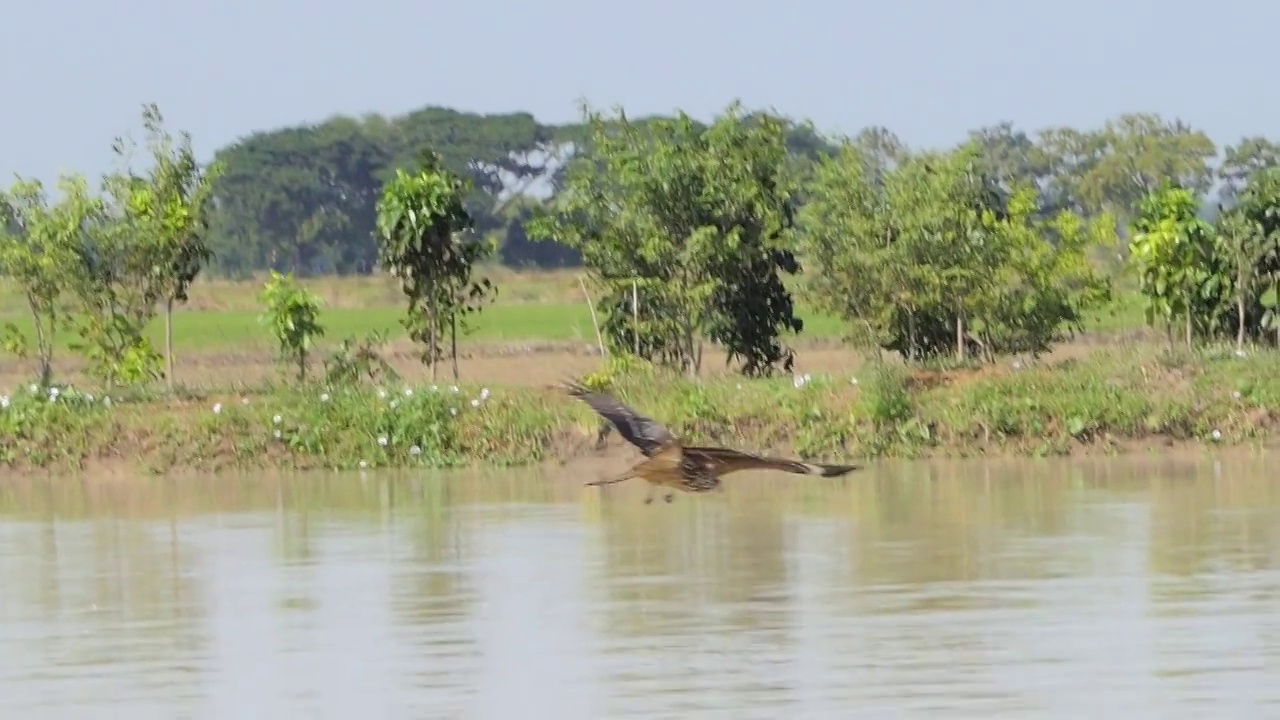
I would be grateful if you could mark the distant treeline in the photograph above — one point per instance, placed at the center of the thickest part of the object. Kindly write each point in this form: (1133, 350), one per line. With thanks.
(301, 199)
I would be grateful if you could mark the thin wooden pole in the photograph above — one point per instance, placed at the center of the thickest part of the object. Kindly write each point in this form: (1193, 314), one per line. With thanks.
(635, 315)
(592, 307)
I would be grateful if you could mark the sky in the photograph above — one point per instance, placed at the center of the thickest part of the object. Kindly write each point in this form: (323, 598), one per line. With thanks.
(76, 72)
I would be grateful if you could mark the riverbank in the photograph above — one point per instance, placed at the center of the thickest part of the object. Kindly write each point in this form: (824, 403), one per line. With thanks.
(1129, 398)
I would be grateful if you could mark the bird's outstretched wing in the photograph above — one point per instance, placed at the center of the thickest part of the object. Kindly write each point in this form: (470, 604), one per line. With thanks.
(639, 430)
(726, 461)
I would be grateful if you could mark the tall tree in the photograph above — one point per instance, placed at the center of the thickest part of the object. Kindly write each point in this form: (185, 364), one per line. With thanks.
(937, 257)
(36, 243)
(1175, 254)
(697, 220)
(1241, 161)
(169, 208)
(424, 240)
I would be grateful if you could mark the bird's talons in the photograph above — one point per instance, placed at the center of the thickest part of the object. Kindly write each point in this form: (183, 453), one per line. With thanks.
(669, 497)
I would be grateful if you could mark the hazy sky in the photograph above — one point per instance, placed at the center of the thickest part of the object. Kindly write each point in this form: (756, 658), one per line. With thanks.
(76, 72)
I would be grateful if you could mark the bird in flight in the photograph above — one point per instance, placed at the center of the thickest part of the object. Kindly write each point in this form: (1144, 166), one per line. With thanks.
(671, 464)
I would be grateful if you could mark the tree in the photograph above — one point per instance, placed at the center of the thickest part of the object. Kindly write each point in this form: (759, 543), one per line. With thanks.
(1241, 161)
(170, 213)
(423, 240)
(697, 219)
(936, 258)
(34, 245)
(293, 314)
(1176, 258)
(110, 273)
(1252, 232)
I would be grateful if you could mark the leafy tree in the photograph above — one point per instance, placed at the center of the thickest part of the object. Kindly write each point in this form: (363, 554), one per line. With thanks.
(697, 219)
(422, 229)
(34, 245)
(1252, 231)
(1241, 161)
(936, 258)
(170, 214)
(293, 314)
(111, 281)
(1175, 254)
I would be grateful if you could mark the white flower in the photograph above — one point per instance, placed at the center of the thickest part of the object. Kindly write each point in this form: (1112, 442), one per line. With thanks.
(4, 401)
(382, 394)
(324, 397)
(107, 401)
(415, 451)
(395, 404)
(853, 381)
(453, 411)
(88, 396)
(475, 403)
(434, 388)
(382, 440)
(244, 401)
(217, 408)
(484, 393)
(276, 420)
(454, 388)
(1241, 354)
(1236, 395)
(34, 388)
(1217, 435)
(363, 464)
(276, 434)
(408, 392)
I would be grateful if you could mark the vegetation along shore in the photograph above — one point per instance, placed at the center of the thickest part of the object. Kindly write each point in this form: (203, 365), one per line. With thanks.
(394, 292)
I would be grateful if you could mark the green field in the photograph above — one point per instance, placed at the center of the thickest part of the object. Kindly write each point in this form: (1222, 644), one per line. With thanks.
(239, 330)
(233, 330)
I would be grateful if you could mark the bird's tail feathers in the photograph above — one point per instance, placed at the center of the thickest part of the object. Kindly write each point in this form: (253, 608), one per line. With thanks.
(830, 470)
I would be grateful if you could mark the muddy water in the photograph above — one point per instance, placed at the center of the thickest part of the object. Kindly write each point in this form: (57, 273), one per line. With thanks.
(1098, 588)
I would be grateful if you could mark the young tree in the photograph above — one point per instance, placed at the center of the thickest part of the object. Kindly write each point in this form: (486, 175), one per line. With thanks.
(170, 213)
(293, 314)
(424, 240)
(698, 219)
(110, 275)
(1174, 251)
(1251, 234)
(928, 257)
(35, 241)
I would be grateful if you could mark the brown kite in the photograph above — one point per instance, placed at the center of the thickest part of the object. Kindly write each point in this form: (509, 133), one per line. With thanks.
(671, 464)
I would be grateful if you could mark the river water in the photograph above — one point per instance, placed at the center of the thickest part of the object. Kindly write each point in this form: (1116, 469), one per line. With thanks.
(1129, 588)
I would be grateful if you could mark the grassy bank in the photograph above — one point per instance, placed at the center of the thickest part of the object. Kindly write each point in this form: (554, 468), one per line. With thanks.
(1111, 400)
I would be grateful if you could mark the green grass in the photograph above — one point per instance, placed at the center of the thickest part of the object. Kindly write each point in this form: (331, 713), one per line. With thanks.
(1106, 402)
(239, 330)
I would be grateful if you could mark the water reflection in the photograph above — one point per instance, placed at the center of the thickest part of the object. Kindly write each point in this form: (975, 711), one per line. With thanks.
(1141, 586)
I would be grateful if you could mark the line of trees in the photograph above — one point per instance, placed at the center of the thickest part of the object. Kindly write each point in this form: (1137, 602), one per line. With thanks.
(692, 232)
(302, 199)
(102, 263)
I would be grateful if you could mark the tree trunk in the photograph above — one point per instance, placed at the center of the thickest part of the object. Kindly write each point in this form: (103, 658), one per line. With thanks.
(1240, 320)
(911, 335)
(44, 345)
(453, 342)
(168, 343)
(431, 349)
(1188, 319)
(960, 336)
